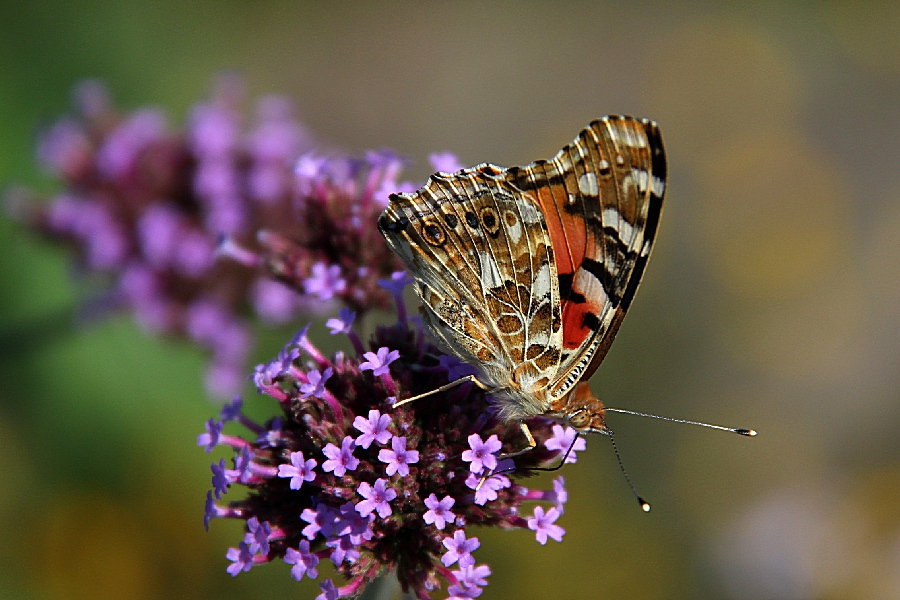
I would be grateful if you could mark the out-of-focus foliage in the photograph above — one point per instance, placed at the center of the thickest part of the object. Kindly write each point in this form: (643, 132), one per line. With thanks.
(772, 299)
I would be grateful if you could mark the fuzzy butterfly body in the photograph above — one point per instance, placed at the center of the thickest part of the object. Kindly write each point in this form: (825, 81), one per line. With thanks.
(526, 272)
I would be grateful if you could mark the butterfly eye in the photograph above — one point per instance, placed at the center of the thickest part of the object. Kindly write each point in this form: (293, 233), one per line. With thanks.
(433, 233)
(580, 419)
(490, 220)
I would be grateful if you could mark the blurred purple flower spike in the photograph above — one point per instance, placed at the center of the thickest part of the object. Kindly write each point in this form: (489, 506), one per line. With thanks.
(153, 208)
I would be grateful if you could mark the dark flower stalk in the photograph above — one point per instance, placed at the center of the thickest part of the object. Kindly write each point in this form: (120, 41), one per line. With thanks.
(339, 475)
(149, 208)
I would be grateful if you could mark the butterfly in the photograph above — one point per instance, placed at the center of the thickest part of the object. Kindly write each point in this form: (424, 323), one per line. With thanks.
(527, 272)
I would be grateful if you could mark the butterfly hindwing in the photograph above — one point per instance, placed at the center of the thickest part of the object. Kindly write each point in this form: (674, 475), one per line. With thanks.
(486, 272)
(601, 198)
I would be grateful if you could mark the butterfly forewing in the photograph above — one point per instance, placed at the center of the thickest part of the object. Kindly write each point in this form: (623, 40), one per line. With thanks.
(486, 272)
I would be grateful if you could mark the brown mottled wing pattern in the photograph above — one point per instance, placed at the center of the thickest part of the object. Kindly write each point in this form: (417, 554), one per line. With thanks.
(601, 197)
(482, 257)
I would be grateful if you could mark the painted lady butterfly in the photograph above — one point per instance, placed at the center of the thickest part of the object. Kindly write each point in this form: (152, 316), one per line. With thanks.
(527, 272)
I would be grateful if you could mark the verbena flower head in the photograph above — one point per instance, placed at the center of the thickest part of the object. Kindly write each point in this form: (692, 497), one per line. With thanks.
(195, 228)
(340, 475)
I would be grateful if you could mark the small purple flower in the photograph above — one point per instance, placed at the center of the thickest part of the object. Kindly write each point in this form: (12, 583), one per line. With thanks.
(269, 437)
(316, 385)
(285, 360)
(376, 498)
(299, 470)
(343, 550)
(321, 520)
(232, 410)
(378, 362)
(559, 493)
(257, 536)
(299, 338)
(487, 491)
(543, 525)
(562, 439)
(211, 438)
(439, 511)
(219, 478)
(209, 510)
(470, 581)
(263, 374)
(241, 559)
(343, 322)
(324, 282)
(482, 453)
(243, 464)
(353, 525)
(340, 460)
(303, 560)
(373, 429)
(398, 458)
(329, 592)
(396, 283)
(460, 549)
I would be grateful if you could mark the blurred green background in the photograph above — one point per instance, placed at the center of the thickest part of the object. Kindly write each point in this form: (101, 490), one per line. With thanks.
(772, 300)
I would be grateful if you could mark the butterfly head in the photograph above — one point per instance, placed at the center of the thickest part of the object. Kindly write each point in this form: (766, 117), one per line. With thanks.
(582, 410)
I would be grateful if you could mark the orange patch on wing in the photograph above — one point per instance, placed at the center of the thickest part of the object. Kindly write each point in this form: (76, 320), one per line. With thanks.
(574, 331)
(568, 235)
(567, 231)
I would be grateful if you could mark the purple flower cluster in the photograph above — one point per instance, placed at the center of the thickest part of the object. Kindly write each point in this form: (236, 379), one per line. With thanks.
(151, 208)
(340, 475)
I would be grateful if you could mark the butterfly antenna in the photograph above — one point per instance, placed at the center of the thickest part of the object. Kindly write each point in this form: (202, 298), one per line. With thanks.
(738, 430)
(645, 506)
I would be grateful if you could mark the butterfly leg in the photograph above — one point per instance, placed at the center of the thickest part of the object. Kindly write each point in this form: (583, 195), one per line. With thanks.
(448, 386)
(531, 446)
(528, 437)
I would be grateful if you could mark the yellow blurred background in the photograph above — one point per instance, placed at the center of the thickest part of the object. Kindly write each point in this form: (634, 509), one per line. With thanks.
(772, 300)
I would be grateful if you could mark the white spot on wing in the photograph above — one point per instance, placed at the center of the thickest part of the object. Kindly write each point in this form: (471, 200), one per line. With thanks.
(540, 338)
(641, 177)
(587, 184)
(588, 285)
(530, 213)
(514, 232)
(631, 139)
(540, 287)
(490, 274)
(612, 218)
